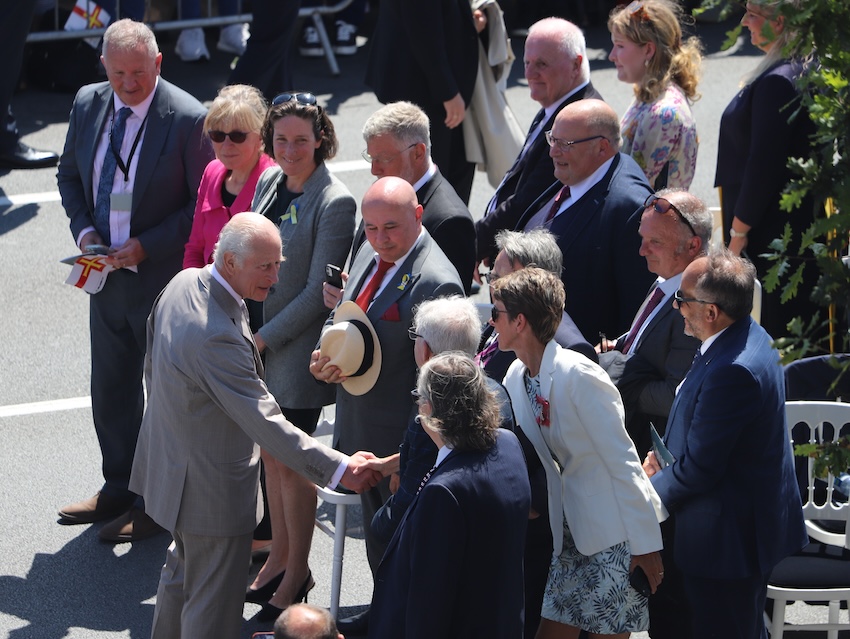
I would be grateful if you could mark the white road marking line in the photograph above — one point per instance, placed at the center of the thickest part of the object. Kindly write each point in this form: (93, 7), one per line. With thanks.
(49, 406)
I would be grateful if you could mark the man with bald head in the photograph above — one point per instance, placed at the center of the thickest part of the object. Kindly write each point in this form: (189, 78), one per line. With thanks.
(410, 268)
(303, 621)
(594, 210)
(558, 74)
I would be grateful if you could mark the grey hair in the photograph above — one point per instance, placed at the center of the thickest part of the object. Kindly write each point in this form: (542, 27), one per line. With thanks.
(239, 236)
(694, 211)
(463, 408)
(128, 35)
(449, 324)
(537, 247)
(571, 42)
(728, 282)
(404, 121)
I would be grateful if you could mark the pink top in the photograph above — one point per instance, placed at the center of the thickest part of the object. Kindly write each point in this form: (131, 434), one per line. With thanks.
(211, 214)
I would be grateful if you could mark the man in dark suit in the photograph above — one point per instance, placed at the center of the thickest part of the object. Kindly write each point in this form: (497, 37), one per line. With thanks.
(594, 211)
(731, 488)
(558, 74)
(649, 362)
(409, 268)
(454, 566)
(398, 143)
(427, 53)
(129, 179)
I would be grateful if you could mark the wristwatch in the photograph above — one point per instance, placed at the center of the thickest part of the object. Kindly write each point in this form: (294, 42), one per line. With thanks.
(733, 233)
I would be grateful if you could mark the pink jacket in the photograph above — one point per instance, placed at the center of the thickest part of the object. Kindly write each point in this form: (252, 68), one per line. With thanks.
(211, 214)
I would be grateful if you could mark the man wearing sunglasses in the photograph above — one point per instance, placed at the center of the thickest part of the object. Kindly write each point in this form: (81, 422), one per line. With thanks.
(594, 210)
(730, 488)
(129, 177)
(648, 362)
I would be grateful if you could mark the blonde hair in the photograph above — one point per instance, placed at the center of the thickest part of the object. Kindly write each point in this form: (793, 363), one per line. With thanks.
(659, 22)
(237, 105)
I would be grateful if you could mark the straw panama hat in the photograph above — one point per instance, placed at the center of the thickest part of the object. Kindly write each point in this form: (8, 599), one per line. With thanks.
(352, 344)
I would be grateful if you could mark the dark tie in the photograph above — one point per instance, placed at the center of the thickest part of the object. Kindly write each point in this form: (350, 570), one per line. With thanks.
(651, 305)
(563, 194)
(426, 478)
(494, 201)
(483, 358)
(107, 174)
(367, 293)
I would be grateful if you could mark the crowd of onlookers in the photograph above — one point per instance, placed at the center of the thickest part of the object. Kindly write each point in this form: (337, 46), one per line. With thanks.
(606, 454)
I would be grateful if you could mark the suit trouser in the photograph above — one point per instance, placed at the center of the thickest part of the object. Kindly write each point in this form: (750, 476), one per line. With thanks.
(202, 587)
(13, 34)
(118, 316)
(448, 151)
(727, 608)
(370, 501)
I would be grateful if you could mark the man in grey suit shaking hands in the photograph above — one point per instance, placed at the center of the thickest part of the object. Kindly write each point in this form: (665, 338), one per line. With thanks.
(197, 457)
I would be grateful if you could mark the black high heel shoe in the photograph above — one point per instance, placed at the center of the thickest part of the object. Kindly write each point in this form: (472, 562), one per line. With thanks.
(263, 593)
(270, 612)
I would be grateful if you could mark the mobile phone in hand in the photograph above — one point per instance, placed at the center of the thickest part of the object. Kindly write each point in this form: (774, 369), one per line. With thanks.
(100, 249)
(640, 582)
(333, 275)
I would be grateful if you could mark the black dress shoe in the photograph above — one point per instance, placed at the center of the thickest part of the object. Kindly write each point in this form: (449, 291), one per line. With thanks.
(263, 593)
(355, 625)
(22, 156)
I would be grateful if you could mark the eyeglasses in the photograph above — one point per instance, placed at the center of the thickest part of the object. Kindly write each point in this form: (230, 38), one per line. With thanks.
(417, 397)
(495, 312)
(412, 334)
(384, 160)
(237, 137)
(301, 98)
(662, 206)
(565, 145)
(677, 297)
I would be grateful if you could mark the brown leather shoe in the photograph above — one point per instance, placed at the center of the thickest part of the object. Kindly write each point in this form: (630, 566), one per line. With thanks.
(95, 508)
(133, 525)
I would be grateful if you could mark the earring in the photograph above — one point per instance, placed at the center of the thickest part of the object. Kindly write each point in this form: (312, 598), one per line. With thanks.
(646, 62)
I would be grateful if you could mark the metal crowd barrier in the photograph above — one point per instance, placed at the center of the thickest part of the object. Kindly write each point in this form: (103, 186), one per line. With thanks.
(314, 13)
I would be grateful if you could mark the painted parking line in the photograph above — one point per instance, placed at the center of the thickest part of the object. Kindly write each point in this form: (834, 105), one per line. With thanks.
(49, 406)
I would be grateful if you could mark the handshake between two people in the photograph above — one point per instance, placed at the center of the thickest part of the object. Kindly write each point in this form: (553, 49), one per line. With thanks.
(365, 470)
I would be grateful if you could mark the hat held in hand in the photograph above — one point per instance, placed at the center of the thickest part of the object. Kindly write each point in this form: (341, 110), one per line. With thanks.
(352, 345)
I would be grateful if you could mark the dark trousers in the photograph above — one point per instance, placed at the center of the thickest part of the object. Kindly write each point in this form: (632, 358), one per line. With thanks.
(14, 27)
(267, 61)
(448, 151)
(118, 317)
(669, 611)
(536, 562)
(370, 501)
(727, 608)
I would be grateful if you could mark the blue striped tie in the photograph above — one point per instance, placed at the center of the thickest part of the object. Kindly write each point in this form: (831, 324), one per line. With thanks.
(107, 174)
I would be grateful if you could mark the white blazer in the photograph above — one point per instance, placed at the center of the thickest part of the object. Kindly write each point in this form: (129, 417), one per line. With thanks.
(597, 483)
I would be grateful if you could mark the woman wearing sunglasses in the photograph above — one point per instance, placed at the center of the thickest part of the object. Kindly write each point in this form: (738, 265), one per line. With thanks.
(315, 213)
(658, 128)
(227, 186)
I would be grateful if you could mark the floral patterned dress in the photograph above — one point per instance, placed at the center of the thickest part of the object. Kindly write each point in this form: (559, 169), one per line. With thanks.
(662, 138)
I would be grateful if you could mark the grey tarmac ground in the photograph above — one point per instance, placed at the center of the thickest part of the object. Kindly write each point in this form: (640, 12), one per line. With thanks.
(59, 581)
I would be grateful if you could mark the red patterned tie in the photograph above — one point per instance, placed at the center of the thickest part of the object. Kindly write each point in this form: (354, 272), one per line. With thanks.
(563, 194)
(367, 293)
(654, 301)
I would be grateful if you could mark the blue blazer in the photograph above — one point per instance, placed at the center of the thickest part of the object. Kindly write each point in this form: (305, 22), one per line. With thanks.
(732, 489)
(454, 566)
(604, 275)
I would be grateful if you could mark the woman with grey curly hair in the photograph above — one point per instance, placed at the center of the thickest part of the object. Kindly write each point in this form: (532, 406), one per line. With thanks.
(465, 529)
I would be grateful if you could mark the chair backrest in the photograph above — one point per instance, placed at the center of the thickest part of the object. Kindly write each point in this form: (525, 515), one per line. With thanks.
(816, 422)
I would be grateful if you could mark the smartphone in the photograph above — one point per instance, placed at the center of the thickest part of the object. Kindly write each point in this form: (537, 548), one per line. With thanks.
(333, 275)
(100, 249)
(640, 582)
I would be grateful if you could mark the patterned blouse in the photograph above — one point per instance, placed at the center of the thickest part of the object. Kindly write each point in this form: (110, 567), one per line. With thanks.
(661, 136)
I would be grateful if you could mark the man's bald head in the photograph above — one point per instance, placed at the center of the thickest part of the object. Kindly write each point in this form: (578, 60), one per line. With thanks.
(392, 217)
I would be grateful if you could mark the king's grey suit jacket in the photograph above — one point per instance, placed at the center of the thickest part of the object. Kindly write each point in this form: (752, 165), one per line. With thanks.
(172, 159)
(376, 421)
(196, 462)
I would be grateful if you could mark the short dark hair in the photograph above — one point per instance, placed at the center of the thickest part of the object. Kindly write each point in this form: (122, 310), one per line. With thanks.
(323, 128)
(536, 293)
(463, 408)
(728, 282)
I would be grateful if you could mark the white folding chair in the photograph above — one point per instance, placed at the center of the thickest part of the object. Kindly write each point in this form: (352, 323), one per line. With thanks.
(821, 571)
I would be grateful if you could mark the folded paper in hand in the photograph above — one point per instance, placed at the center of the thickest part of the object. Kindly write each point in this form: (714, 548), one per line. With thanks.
(89, 271)
(662, 454)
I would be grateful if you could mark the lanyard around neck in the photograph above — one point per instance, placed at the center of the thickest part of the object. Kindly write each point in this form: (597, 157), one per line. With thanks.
(125, 168)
